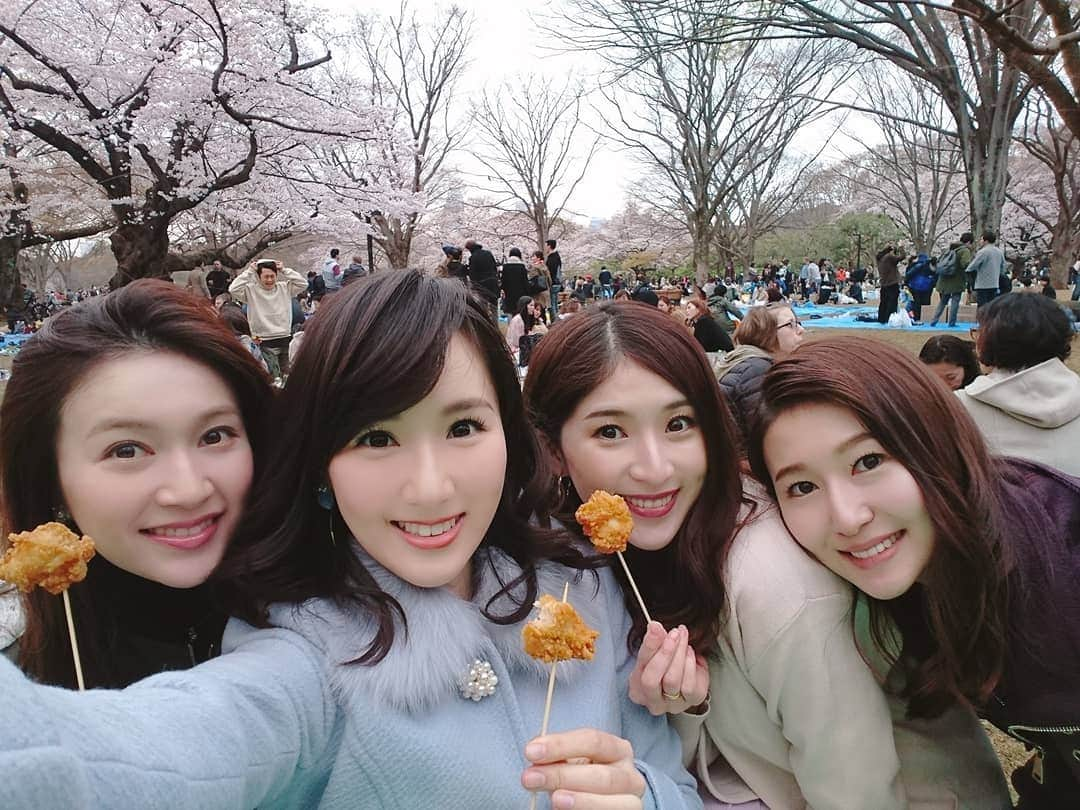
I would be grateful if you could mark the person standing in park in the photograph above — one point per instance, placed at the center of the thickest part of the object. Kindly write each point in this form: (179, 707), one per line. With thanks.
(888, 269)
(483, 273)
(514, 282)
(217, 280)
(554, 265)
(605, 283)
(331, 272)
(268, 290)
(952, 278)
(196, 282)
(987, 267)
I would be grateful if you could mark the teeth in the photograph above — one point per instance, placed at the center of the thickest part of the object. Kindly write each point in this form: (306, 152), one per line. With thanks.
(870, 552)
(190, 531)
(650, 503)
(429, 529)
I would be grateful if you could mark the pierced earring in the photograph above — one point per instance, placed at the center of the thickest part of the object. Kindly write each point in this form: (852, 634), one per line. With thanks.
(566, 486)
(61, 515)
(325, 496)
(333, 540)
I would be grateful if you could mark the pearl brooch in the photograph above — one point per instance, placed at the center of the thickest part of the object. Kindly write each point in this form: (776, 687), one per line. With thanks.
(479, 682)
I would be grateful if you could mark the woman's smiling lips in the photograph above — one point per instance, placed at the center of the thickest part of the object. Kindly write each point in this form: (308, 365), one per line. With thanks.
(186, 535)
(432, 534)
(652, 506)
(876, 551)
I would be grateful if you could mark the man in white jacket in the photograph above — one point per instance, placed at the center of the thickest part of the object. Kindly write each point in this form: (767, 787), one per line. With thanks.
(268, 290)
(1028, 405)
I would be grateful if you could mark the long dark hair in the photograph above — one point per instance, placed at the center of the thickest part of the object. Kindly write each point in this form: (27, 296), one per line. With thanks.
(951, 349)
(955, 620)
(682, 583)
(357, 369)
(147, 315)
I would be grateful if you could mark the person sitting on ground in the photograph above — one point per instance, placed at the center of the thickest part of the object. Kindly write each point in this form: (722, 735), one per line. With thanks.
(764, 334)
(951, 359)
(1028, 404)
(706, 330)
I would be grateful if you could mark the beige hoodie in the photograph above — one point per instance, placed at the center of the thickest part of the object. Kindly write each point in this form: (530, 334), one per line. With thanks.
(1033, 413)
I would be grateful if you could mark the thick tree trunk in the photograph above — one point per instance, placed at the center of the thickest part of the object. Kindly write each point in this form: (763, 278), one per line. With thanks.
(141, 251)
(9, 270)
(1063, 245)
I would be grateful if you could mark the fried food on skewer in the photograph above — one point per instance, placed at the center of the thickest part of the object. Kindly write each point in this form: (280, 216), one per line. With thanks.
(51, 556)
(606, 520)
(558, 633)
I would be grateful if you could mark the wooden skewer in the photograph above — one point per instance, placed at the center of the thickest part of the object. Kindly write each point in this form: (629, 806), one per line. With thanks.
(637, 593)
(550, 692)
(74, 642)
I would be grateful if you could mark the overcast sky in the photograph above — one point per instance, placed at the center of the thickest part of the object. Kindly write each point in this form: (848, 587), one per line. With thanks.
(507, 43)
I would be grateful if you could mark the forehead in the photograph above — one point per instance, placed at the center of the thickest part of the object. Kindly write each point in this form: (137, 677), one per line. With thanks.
(633, 388)
(146, 386)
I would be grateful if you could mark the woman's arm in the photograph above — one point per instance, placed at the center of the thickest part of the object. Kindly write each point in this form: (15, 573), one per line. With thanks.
(237, 731)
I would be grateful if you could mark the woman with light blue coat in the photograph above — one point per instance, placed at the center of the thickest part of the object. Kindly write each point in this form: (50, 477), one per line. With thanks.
(384, 577)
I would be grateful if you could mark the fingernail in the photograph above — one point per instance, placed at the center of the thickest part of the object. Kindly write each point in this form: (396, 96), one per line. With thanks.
(533, 779)
(656, 630)
(563, 801)
(534, 751)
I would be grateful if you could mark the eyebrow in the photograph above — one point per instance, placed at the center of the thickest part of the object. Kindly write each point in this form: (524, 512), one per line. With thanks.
(467, 405)
(604, 412)
(845, 445)
(138, 424)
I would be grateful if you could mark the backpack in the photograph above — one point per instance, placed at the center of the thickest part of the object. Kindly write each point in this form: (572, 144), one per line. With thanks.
(946, 266)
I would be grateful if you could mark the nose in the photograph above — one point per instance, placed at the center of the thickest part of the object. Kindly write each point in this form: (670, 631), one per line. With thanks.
(429, 480)
(850, 511)
(651, 464)
(187, 484)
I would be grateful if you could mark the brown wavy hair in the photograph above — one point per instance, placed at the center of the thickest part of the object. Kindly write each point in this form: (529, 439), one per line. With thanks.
(576, 356)
(758, 328)
(146, 315)
(955, 620)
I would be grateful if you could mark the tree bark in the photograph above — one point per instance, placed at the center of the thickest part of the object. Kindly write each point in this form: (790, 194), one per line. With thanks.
(9, 269)
(141, 251)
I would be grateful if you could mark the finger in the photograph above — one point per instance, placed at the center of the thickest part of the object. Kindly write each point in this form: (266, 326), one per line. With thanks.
(673, 678)
(650, 644)
(694, 686)
(604, 780)
(598, 746)
(652, 677)
(591, 801)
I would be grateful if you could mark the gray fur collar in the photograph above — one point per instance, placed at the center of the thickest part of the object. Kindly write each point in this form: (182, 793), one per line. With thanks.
(445, 633)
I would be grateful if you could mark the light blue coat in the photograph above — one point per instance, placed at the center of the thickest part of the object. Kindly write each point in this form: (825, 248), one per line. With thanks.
(282, 720)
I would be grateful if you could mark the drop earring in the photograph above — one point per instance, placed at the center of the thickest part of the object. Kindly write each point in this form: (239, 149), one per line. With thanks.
(61, 515)
(566, 486)
(325, 496)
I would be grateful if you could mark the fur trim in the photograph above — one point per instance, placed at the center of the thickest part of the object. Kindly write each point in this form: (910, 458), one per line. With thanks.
(445, 634)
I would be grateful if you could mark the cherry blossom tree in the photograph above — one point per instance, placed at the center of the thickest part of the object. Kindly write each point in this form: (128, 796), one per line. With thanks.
(163, 105)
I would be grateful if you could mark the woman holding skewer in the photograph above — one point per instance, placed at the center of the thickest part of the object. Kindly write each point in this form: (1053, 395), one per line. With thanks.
(134, 419)
(751, 647)
(384, 575)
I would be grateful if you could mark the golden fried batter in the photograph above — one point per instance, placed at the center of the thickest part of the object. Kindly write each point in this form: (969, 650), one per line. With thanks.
(607, 521)
(51, 556)
(558, 633)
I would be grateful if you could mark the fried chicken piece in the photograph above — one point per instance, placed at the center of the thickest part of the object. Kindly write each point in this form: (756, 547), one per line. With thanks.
(558, 633)
(51, 556)
(607, 521)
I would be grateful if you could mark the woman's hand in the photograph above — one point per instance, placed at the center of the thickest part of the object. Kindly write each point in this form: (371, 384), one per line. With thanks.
(585, 769)
(669, 678)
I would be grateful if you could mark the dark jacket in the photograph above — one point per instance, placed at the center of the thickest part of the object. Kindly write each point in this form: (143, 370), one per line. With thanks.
(484, 273)
(515, 284)
(711, 337)
(888, 264)
(1038, 697)
(741, 383)
(217, 281)
(554, 266)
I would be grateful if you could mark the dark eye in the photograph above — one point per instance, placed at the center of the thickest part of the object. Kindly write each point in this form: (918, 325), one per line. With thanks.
(680, 423)
(800, 488)
(464, 428)
(610, 432)
(127, 450)
(869, 462)
(376, 439)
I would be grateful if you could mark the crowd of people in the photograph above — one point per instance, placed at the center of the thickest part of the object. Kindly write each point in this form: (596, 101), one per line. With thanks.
(842, 556)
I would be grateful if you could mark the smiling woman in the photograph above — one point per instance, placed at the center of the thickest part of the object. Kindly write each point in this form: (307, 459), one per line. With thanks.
(966, 564)
(133, 418)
